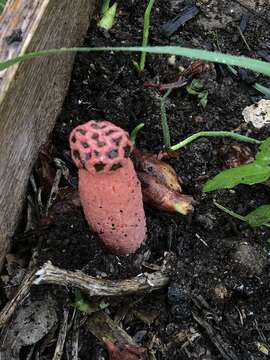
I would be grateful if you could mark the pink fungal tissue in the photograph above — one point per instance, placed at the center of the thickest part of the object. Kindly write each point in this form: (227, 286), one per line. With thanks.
(109, 189)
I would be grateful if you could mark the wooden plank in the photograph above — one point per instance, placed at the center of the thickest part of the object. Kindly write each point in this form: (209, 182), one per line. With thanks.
(32, 93)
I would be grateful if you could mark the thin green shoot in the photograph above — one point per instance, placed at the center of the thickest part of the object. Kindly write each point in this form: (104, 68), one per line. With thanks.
(229, 212)
(249, 219)
(108, 17)
(201, 134)
(259, 66)
(146, 26)
(164, 122)
(244, 38)
(134, 133)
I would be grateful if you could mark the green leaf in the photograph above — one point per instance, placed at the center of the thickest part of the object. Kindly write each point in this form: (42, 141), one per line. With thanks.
(262, 89)
(105, 6)
(191, 90)
(258, 217)
(263, 154)
(146, 28)
(259, 66)
(136, 65)
(108, 18)
(103, 305)
(256, 172)
(203, 96)
(83, 305)
(249, 174)
(196, 88)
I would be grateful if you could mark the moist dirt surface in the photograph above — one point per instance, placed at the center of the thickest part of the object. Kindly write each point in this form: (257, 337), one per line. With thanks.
(217, 304)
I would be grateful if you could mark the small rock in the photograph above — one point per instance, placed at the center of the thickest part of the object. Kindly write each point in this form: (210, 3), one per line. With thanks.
(172, 60)
(171, 328)
(258, 114)
(181, 311)
(207, 221)
(221, 293)
(175, 4)
(176, 294)
(179, 299)
(234, 155)
(243, 290)
(14, 37)
(249, 259)
(139, 336)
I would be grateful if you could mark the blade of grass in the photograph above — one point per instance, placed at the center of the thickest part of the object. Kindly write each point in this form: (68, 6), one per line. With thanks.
(146, 27)
(240, 61)
(164, 122)
(262, 89)
(214, 134)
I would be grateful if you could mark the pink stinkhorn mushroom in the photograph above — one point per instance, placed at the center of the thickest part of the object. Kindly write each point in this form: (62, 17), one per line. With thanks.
(109, 189)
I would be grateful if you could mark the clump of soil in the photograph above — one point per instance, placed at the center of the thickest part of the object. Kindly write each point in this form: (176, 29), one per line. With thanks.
(217, 304)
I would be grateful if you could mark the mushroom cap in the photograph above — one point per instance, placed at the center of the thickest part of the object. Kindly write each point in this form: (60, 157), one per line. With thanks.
(99, 147)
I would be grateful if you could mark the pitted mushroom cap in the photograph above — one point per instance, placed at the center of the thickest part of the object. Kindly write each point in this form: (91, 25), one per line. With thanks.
(99, 146)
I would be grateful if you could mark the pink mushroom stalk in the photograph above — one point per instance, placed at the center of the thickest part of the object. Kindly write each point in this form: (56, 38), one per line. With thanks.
(109, 189)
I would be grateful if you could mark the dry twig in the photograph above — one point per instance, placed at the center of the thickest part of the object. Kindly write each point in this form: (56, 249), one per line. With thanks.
(61, 337)
(49, 274)
(21, 294)
(144, 283)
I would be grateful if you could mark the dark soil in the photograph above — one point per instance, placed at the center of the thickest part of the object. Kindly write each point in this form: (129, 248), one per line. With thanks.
(217, 305)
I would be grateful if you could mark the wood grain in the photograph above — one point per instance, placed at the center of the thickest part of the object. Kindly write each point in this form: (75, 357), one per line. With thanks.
(31, 93)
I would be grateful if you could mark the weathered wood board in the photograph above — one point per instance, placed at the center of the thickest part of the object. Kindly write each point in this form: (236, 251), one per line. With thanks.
(31, 93)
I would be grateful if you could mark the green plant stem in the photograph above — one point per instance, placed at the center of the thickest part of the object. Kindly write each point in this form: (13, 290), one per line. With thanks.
(215, 134)
(164, 122)
(146, 27)
(233, 214)
(256, 65)
(134, 133)
(230, 212)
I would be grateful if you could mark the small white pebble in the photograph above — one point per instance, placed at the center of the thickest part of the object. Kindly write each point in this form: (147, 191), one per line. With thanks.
(171, 60)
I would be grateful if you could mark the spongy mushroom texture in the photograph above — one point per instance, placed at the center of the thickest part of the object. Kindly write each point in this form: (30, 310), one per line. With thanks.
(109, 189)
(99, 146)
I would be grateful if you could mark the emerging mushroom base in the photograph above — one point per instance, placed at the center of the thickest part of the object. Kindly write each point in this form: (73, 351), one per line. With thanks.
(113, 206)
